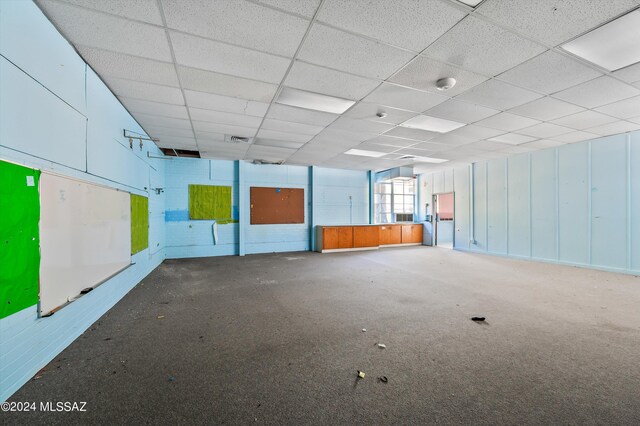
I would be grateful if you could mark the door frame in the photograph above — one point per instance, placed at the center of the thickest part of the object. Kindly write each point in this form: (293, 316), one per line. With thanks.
(435, 217)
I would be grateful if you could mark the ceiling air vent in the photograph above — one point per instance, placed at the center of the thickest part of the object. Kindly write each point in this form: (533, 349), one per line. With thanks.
(278, 163)
(237, 139)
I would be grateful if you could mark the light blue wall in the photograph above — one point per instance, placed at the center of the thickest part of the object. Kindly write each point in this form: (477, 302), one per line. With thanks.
(577, 204)
(56, 115)
(331, 206)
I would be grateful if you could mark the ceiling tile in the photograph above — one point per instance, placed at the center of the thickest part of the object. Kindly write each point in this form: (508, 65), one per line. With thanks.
(130, 67)
(225, 129)
(391, 141)
(545, 130)
(147, 120)
(541, 144)
(406, 23)
(576, 136)
(460, 111)
(549, 73)
(430, 146)
(288, 126)
(546, 109)
(600, 91)
(507, 122)
(300, 115)
(630, 74)
(227, 85)
(498, 95)
(423, 73)
(622, 109)
(614, 128)
(517, 149)
(488, 145)
(452, 140)
(305, 8)
(345, 52)
(477, 132)
(269, 153)
(238, 22)
(584, 119)
(154, 108)
(343, 137)
(219, 57)
(284, 136)
(556, 23)
(404, 98)
(177, 142)
(146, 91)
(481, 47)
(417, 152)
(512, 139)
(159, 131)
(329, 82)
(414, 134)
(140, 10)
(225, 103)
(278, 143)
(368, 146)
(94, 29)
(354, 125)
(220, 117)
(368, 111)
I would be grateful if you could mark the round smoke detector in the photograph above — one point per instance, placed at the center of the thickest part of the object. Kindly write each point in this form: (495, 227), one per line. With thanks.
(445, 83)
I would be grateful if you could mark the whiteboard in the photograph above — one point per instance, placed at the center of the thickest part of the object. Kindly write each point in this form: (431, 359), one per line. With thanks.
(85, 237)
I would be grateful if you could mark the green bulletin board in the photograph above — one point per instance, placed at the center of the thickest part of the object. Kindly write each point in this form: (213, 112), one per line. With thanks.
(139, 223)
(208, 202)
(19, 238)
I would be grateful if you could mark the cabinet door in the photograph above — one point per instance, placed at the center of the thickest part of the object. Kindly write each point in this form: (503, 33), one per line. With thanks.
(329, 238)
(416, 233)
(345, 237)
(366, 236)
(390, 234)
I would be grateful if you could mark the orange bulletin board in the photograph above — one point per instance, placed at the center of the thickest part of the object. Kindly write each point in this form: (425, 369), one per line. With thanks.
(276, 205)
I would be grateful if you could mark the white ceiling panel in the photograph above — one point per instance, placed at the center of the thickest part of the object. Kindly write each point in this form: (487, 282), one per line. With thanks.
(159, 131)
(288, 126)
(507, 122)
(300, 115)
(139, 10)
(145, 91)
(488, 145)
(211, 55)
(431, 147)
(392, 141)
(278, 143)
(452, 140)
(220, 117)
(516, 149)
(630, 74)
(414, 134)
(155, 108)
(270, 153)
(512, 139)
(406, 23)
(498, 95)
(576, 136)
(546, 109)
(460, 111)
(305, 8)
(549, 73)
(423, 73)
(542, 144)
(584, 119)
(404, 98)
(368, 146)
(225, 129)
(119, 65)
(238, 22)
(225, 103)
(482, 47)
(177, 142)
(284, 136)
(227, 85)
(545, 130)
(343, 137)
(147, 120)
(345, 52)
(553, 23)
(614, 128)
(96, 29)
(328, 82)
(369, 111)
(627, 108)
(477, 132)
(354, 125)
(600, 91)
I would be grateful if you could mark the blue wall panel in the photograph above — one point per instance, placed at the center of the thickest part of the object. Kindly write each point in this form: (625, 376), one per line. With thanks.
(519, 209)
(634, 205)
(573, 185)
(497, 206)
(461, 205)
(480, 210)
(341, 197)
(544, 215)
(609, 202)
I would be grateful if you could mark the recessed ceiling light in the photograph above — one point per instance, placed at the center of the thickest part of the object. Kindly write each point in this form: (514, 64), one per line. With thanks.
(432, 124)
(612, 46)
(445, 83)
(420, 159)
(315, 101)
(364, 153)
(472, 3)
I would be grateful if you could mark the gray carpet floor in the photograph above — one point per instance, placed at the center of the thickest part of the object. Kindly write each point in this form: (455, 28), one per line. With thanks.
(277, 339)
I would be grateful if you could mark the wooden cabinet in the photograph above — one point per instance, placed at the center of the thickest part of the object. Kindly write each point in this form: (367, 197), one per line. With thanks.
(390, 234)
(411, 234)
(366, 236)
(337, 237)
